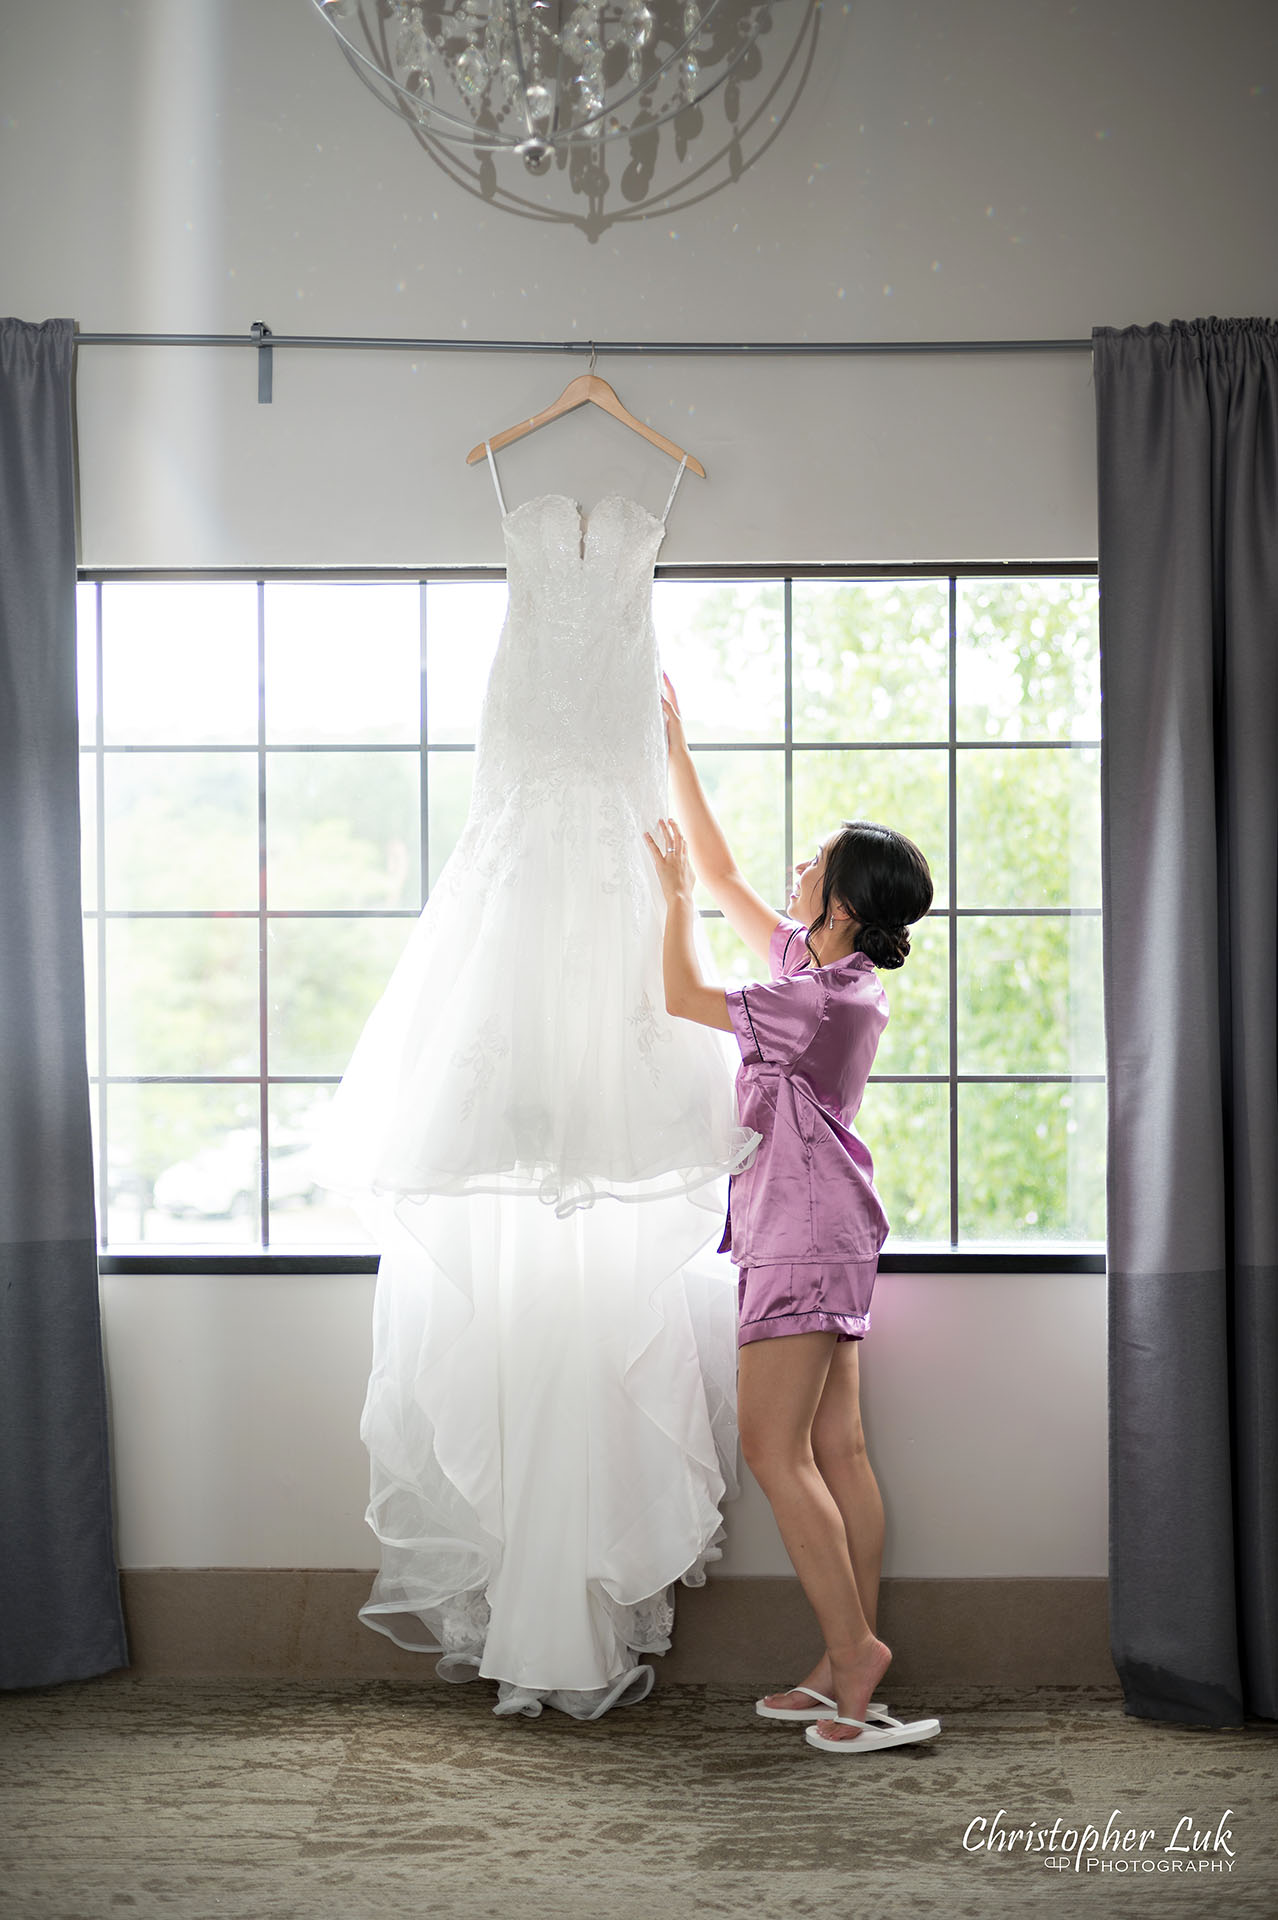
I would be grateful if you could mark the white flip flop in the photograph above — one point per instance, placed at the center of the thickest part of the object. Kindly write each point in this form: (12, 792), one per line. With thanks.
(890, 1733)
(826, 1710)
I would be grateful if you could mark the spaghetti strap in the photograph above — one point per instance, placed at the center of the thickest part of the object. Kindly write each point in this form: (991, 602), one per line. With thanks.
(496, 482)
(674, 489)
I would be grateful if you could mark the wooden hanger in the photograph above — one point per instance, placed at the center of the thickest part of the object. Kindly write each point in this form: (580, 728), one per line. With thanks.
(586, 387)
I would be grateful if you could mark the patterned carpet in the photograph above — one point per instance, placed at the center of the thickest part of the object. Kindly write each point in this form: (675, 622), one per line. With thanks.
(167, 1800)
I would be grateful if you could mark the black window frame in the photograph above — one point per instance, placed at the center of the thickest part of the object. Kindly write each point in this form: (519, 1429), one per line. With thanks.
(928, 1258)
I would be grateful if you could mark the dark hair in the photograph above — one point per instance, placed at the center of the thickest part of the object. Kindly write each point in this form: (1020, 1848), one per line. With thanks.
(883, 881)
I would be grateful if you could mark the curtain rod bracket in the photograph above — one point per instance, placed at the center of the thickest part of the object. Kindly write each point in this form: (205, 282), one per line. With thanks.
(265, 363)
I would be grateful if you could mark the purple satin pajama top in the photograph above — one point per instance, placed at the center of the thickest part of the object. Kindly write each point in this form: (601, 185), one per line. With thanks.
(808, 1039)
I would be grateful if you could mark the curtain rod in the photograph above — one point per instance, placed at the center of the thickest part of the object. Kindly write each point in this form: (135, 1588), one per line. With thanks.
(265, 342)
(264, 339)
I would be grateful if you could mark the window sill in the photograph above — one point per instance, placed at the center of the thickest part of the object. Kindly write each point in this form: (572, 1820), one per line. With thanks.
(923, 1259)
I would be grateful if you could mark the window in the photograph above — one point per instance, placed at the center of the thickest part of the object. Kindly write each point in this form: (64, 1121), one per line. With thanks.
(275, 771)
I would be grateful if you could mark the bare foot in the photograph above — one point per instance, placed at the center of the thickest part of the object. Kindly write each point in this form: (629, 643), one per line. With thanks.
(854, 1679)
(820, 1680)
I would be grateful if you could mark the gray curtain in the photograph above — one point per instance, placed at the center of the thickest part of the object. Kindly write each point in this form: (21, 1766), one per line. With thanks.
(59, 1589)
(1187, 418)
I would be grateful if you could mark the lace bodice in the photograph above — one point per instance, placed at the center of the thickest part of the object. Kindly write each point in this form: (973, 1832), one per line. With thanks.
(573, 688)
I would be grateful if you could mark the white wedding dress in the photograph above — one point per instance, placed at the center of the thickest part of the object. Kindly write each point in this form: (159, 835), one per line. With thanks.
(540, 1153)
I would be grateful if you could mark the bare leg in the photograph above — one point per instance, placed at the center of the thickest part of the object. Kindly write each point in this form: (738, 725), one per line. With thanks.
(838, 1445)
(838, 1442)
(780, 1387)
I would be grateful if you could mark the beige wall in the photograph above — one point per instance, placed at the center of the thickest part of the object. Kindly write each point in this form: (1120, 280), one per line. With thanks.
(954, 168)
(236, 1401)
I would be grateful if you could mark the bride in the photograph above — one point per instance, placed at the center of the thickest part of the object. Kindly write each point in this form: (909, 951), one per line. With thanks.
(540, 1153)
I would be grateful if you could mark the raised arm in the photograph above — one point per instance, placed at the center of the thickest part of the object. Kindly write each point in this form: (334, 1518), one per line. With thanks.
(687, 994)
(745, 911)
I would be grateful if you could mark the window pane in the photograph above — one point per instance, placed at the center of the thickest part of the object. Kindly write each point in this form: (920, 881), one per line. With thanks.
(1028, 660)
(747, 793)
(182, 996)
(463, 624)
(723, 645)
(183, 1166)
(917, 1036)
(907, 1129)
(86, 659)
(88, 832)
(323, 980)
(737, 966)
(1029, 827)
(181, 830)
(179, 662)
(905, 790)
(343, 829)
(451, 776)
(343, 662)
(304, 1214)
(871, 660)
(1030, 996)
(91, 994)
(1032, 1162)
(99, 1200)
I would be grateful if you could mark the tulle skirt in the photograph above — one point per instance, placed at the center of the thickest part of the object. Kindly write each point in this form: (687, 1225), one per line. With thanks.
(541, 1154)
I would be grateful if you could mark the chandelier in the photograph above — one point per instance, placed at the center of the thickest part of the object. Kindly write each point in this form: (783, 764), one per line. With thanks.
(541, 78)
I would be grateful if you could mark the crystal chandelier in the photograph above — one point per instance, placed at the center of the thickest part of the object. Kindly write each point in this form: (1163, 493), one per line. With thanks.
(541, 77)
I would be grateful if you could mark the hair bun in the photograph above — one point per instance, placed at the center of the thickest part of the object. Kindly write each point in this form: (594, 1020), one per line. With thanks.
(885, 947)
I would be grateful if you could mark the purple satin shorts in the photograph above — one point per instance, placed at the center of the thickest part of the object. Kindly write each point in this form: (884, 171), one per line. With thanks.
(805, 1297)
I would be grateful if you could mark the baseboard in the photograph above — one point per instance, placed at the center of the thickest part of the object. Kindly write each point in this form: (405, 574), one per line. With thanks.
(301, 1623)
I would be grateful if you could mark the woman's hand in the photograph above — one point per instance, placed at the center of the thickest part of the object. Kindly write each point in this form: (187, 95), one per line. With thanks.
(676, 741)
(670, 857)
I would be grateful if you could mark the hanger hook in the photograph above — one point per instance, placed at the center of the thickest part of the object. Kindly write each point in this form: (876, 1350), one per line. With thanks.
(593, 357)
